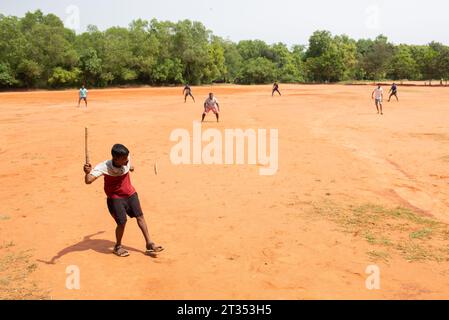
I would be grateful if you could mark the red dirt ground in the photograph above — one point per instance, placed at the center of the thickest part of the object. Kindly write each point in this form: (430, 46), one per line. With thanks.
(228, 232)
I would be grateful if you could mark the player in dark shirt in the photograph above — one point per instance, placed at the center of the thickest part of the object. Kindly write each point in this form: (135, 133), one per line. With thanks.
(187, 92)
(275, 89)
(393, 92)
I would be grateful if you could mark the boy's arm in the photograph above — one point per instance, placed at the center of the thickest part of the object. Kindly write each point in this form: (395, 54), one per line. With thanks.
(88, 178)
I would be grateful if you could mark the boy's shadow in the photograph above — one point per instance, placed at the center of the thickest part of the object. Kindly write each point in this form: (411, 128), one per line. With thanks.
(98, 245)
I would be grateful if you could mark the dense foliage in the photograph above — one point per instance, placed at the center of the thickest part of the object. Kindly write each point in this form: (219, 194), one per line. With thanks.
(38, 51)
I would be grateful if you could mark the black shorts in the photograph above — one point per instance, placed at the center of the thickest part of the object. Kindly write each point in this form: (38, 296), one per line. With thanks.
(119, 208)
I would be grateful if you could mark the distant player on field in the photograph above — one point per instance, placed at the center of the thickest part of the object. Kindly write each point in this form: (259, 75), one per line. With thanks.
(393, 92)
(275, 89)
(188, 92)
(211, 104)
(83, 96)
(378, 95)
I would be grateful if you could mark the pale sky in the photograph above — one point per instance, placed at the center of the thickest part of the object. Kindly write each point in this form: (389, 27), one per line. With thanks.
(288, 21)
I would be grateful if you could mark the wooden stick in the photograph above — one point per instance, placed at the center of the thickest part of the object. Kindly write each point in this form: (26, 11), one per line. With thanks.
(155, 169)
(86, 145)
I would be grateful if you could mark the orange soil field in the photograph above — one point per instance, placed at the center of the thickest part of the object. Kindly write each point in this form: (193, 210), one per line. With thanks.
(353, 189)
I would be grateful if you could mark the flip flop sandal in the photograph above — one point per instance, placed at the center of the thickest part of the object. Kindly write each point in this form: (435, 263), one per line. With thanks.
(120, 252)
(154, 250)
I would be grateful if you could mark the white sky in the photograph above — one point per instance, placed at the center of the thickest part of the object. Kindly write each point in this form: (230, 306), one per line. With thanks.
(288, 21)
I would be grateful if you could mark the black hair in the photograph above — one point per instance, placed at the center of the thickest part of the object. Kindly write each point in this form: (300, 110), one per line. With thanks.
(119, 150)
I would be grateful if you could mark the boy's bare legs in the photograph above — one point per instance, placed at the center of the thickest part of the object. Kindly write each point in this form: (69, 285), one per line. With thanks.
(79, 102)
(143, 227)
(186, 96)
(119, 231)
(118, 249)
(395, 95)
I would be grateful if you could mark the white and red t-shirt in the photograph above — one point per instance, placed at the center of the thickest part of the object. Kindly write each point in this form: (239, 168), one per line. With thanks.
(211, 103)
(117, 181)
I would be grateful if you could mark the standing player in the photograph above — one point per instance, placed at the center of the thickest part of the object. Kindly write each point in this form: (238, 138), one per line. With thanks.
(378, 94)
(275, 89)
(122, 198)
(211, 104)
(187, 92)
(393, 92)
(83, 96)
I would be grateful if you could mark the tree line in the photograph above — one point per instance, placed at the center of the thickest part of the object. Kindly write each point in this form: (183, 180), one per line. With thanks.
(37, 51)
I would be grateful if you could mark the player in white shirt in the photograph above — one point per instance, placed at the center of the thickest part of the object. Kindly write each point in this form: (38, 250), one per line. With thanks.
(378, 95)
(211, 104)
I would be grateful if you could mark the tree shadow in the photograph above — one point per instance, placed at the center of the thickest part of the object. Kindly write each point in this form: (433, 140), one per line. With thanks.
(99, 245)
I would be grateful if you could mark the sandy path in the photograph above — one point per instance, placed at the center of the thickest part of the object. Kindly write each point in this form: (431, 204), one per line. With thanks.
(228, 232)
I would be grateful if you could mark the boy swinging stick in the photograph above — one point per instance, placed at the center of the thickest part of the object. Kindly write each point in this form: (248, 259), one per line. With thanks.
(122, 198)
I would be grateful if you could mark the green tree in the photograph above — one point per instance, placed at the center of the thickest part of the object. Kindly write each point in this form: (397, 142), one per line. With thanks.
(257, 70)
(168, 71)
(91, 67)
(215, 69)
(233, 61)
(49, 45)
(191, 40)
(29, 72)
(251, 49)
(374, 57)
(402, 65)
(64, 78)
(38, 51)
(6, 77)
(330, 59)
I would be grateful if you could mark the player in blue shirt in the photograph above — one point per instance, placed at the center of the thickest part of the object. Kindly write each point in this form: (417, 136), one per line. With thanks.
(83, 96)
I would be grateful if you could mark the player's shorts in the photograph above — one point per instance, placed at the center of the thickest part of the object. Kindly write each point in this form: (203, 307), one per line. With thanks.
(378, 101)
(213, 109)
(83, 98)
(120, 208)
